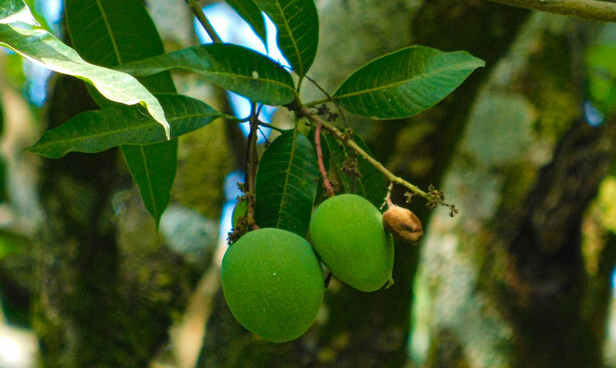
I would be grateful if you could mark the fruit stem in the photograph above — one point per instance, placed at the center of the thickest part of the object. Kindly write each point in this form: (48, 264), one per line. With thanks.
(302, 110)
(251, 167)
(317, 142)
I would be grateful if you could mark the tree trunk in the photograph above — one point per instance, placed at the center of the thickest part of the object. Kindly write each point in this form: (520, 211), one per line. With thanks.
(100, 302)
(507, 283)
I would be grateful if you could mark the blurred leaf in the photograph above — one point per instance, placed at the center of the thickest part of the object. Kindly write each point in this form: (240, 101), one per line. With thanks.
(297, 22)
(106, 24)
(405, 82)
(601, 64)
(96, 131)
(10, 7)
(287, 181)
(41, 47)
(232, 67)
(252, 15)
(361, 178)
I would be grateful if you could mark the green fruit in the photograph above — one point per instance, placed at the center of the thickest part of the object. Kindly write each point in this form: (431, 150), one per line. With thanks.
(273, 283)
(347, 233)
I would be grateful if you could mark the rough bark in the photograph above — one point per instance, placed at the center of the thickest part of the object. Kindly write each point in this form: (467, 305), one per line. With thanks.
(511, 288)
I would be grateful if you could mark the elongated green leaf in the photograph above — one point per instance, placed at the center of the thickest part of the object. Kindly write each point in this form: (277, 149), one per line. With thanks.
(405, 82)
(297, 22)
(10, 7)
(252, 15)
(153, 168)
(43, 48)
(287, 181)
(232, 67)
(355, 174)
(96, 131)
(107, 25)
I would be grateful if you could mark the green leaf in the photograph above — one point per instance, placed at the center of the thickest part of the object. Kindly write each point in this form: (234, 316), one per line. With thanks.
(232, 67)
(252, 15)
(97, 131)
(297, 22)
(10, 7)
(287, 181)
(359, 176)
(405, 82)
(41, 47)
(107, 24)
(153, 168)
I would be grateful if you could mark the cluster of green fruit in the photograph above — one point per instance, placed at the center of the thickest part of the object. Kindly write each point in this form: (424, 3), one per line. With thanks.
(272, 279)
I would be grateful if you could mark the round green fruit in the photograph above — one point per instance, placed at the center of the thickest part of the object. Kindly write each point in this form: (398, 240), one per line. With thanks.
(347, 232)
(273, 283)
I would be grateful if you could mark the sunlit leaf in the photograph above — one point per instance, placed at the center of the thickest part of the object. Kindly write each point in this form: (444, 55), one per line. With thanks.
(251, 14)
(405, 82)
(107, 25)
(97, 131)
(287, 181)
(297, 23)
(232, 67)
(10, 7)
(41, 47)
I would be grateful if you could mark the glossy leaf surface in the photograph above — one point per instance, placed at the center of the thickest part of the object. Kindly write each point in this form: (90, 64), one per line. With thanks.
(297, 22)
(405, 82)
(287, 181)
(41, 47)
(97, 131)
(252, 15)
(232, 67)
(122, 31)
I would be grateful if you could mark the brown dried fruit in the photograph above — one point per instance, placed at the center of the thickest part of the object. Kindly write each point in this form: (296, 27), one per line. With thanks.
(402, 223)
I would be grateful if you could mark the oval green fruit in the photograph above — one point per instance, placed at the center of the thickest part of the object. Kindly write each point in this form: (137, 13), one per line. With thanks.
(273, 283)
(347, 232)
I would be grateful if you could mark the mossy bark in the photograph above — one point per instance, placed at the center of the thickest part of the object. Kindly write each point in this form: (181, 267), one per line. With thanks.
(507, 280)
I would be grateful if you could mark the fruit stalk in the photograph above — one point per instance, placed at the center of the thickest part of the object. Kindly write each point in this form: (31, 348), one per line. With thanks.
(317, 142)
(304, 111)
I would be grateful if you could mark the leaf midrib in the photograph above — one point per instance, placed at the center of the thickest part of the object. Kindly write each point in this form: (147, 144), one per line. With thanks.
(114, 43)
(290, 33)
(395, 84)
(118, 131)
(283, 198)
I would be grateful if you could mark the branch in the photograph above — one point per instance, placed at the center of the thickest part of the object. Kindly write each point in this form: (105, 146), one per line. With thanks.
(196, 9)
(433, 196)
(590, 9)
(317, 143)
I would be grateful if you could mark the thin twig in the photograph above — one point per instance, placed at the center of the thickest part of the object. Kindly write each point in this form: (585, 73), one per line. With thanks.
(198, 11)
(433, 196)
(590, 9)
(317, 142)
(251, 166)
